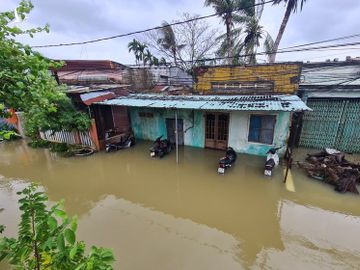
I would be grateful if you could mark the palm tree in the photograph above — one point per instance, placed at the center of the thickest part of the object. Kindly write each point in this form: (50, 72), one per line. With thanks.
(246, 38)
(228, 10)
(133, 46)
(148, 58)
(291, 6)
(141, 51)
(253, 33)
(168, 41)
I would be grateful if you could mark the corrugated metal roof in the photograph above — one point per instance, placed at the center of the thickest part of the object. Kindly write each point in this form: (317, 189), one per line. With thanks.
(79, 89)
(89, 98)
(290, 103)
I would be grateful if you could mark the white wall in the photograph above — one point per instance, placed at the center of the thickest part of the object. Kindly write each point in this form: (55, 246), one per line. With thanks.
(239, 129)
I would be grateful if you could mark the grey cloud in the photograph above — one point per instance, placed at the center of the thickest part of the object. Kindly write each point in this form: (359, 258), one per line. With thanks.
(74, 20)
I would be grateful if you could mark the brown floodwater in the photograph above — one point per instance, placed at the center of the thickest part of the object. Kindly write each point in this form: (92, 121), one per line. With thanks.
(156, 214)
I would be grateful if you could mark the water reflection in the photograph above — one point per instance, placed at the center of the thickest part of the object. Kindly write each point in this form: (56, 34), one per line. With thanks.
(314, 238)
(156, 214)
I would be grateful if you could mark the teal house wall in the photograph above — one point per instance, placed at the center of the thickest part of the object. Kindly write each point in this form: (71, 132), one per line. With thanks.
(149, 128)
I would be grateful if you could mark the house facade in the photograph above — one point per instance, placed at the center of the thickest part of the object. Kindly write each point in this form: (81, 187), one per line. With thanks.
(332, 90)
(247, 108)
(250, 124)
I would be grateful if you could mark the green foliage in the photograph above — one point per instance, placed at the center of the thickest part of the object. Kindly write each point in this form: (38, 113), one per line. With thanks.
(59, 147)
(4, 113)
(39, 143)
(27, 84)
(142, 53)
(168, 41)
(47, 239)
(9, 135)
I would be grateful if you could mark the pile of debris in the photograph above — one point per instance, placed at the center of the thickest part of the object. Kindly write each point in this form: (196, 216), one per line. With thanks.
(331, 167)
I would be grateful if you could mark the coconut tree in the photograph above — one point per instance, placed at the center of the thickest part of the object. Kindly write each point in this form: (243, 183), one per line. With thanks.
(228, 10)
(291, 7)
(168, 41)
(247, 37)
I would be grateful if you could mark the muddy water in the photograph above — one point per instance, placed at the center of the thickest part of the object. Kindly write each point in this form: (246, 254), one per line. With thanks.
(155, 214)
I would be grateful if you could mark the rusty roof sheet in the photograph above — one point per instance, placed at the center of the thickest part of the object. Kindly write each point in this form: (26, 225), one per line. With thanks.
(89, 65)
(289, 103)
(79, 89)
(92, 97)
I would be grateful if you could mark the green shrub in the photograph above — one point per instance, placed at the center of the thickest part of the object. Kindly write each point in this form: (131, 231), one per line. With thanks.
(9, 135)
(59, 147)
(39, 143)
(47, 239)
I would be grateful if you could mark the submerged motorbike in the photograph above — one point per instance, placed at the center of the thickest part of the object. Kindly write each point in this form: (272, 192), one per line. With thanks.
(160, 148)
(227, 161)
(272, 160)
(119, 142)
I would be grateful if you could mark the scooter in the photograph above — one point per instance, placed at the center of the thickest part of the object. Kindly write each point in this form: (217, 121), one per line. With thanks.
(121, 143)
(160, 148)
(227, 161)
(272, 160)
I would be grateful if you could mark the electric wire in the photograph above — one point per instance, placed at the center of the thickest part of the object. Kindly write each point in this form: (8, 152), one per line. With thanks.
(145, 30)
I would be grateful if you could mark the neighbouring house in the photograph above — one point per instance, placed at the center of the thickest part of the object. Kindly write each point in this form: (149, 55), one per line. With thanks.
(84, 96)
(88, 72)
(89, 81)
(248, 108)
(332, 90)
(165, 79)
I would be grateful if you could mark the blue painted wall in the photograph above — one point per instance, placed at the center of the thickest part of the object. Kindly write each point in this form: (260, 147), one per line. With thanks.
(146, 128)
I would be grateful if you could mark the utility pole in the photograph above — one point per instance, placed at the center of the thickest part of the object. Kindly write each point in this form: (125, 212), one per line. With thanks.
(176, 137)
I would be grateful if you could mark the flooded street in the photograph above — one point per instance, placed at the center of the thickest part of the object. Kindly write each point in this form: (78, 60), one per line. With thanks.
(156, 214)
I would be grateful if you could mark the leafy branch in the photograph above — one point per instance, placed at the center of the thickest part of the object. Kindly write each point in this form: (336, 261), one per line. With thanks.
(47, 239)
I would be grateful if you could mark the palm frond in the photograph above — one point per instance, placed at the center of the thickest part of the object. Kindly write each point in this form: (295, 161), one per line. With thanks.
(269, 46)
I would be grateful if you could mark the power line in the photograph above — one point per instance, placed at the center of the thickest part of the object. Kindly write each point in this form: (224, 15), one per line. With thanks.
(323, 41)
(145, 30)
(283, 50)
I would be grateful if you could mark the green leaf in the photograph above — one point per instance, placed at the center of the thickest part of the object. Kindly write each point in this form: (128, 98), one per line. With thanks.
(70, 236)
(73, 224)
(73, 252)
(52, 223)
(60, 213)
(60, 243)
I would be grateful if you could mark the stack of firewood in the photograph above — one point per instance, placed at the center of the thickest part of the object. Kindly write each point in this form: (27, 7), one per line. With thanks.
(331, 167)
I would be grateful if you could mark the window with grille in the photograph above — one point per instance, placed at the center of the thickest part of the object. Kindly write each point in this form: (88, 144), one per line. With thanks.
(146, 114)
(261, 128)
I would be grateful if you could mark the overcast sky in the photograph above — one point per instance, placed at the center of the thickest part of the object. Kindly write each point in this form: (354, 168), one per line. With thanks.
(78, 20)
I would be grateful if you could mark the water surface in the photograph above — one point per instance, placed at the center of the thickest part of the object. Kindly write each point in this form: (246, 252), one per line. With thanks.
(156, 214)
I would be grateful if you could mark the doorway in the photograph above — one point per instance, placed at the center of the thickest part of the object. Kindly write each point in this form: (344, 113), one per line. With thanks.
(216, 130)
(170, 129)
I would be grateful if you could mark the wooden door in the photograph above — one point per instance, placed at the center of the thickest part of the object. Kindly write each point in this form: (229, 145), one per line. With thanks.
(216, 130)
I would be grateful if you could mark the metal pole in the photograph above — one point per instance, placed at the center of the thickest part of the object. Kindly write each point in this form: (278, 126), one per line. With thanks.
(290, 148)
(176, 137)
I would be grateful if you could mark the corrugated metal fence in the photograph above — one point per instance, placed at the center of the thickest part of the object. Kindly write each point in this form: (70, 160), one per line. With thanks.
(69, 137)
(333, 123)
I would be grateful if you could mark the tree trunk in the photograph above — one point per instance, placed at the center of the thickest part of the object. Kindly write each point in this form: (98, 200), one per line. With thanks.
(174, 55)
(228, 22)
(280, 34)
